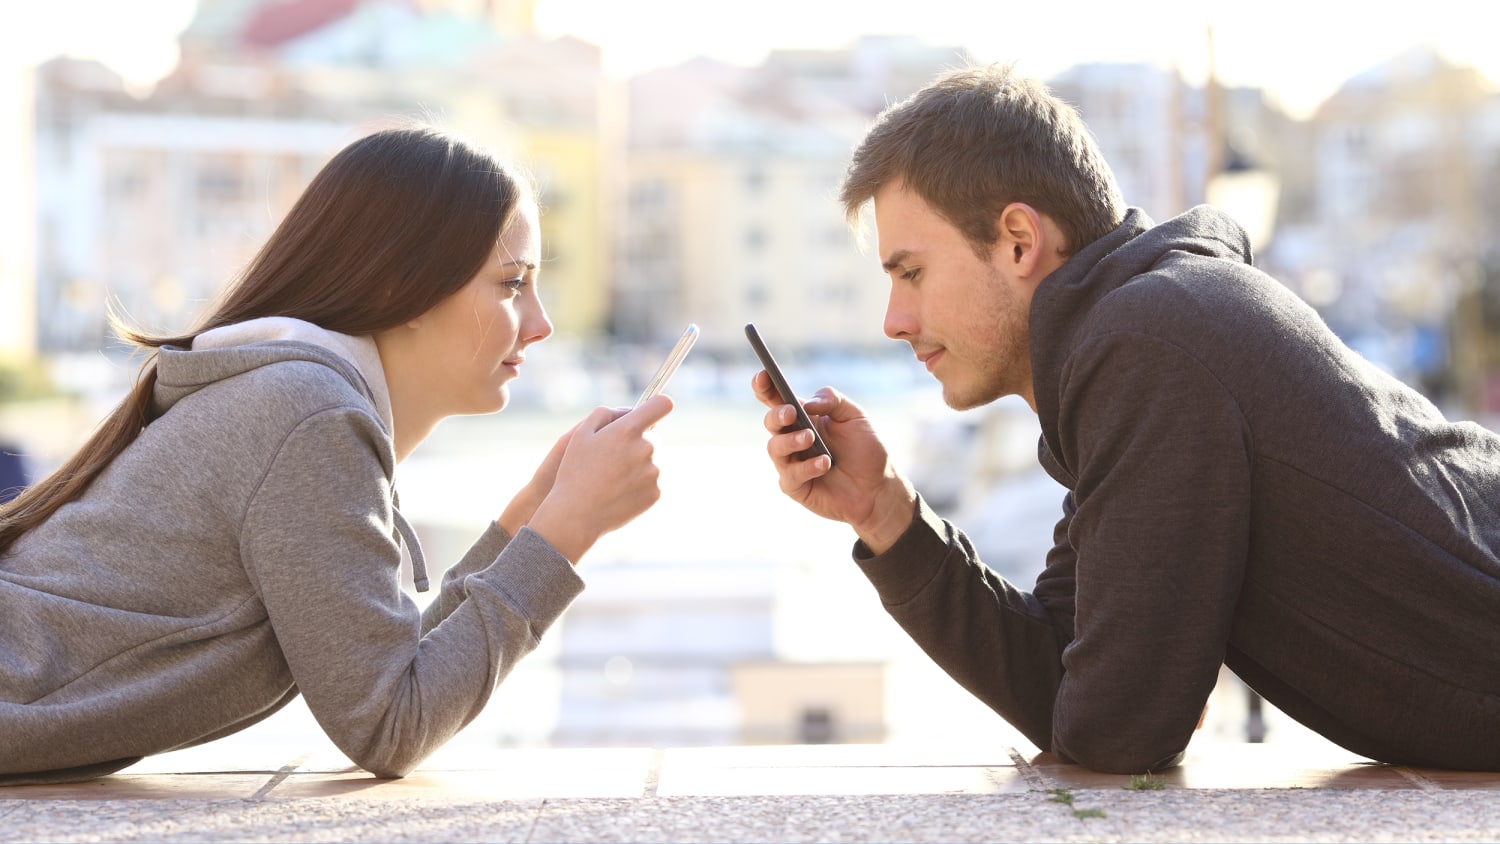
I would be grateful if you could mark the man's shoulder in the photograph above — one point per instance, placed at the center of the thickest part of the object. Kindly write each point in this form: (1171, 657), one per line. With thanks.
(1184, 294)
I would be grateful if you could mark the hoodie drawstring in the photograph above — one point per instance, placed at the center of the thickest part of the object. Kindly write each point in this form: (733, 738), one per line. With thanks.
(414, 548)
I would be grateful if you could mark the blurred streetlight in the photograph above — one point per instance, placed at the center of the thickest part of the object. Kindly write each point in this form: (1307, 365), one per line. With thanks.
(1249, 193)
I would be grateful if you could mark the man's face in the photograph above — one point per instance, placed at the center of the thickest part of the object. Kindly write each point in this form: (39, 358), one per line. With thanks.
(965, 317)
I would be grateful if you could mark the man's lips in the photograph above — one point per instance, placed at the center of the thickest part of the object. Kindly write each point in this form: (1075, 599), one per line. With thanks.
(930, 359)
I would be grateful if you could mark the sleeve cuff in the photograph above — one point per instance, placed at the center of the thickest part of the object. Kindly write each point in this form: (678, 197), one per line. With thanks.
(539, 581)
(910, 563)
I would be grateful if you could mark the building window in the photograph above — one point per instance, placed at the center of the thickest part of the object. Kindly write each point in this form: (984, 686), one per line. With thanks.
(757, 294)
(817, 725)
(755, 179)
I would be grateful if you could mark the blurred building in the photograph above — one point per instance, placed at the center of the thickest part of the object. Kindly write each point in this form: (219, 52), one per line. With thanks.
(666, 654)
(1151, 126)
(1396, 247)
(646, 653)
(17, 219)
(151, 206)
(731, 211)
(154, 203)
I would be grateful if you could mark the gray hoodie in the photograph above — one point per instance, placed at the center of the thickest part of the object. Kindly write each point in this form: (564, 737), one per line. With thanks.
(245, 548)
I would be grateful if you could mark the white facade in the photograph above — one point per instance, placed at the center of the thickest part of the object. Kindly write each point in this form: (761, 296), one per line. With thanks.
(17, 222)
(1151, 128)
(152, 213)
(731, 210)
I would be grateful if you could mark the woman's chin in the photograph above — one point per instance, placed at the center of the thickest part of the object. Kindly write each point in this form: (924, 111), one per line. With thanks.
(493, 403)
(500, 401)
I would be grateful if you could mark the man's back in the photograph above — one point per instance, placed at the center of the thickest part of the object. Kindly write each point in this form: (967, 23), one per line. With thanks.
(1203, 416)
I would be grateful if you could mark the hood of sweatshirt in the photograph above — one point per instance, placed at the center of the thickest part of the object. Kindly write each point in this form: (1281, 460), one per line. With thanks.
(231, 350)
(1065, 300)
(357, 350)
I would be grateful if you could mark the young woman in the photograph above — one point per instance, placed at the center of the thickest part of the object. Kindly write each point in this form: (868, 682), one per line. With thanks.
(230, 536)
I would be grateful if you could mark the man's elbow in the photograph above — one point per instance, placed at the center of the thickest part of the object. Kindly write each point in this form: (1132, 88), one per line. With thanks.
(1113, 755)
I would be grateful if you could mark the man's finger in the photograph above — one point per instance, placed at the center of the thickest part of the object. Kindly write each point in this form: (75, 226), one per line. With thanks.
(779, 417)
(760, 383)
(831, 403)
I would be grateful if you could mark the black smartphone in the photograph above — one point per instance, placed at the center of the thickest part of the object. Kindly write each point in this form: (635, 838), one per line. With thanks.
(782, 389)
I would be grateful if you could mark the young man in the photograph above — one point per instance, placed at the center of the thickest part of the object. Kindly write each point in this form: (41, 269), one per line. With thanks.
(1242, 488)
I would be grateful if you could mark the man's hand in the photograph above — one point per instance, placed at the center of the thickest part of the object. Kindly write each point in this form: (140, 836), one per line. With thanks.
(863, 491)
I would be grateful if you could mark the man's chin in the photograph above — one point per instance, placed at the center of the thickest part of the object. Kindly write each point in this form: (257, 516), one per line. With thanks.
(967, 399)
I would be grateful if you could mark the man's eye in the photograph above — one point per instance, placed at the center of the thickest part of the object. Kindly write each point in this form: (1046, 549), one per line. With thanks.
(911, 274)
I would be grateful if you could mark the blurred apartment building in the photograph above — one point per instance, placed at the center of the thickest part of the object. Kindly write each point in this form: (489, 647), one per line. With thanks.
(153, 203)
(707, 192)
(1396, 234)
(731, 211)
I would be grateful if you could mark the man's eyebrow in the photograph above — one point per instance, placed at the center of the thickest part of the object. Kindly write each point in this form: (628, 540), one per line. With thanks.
(897, 259)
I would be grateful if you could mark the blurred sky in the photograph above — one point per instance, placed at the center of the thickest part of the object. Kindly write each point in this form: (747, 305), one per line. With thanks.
(1299, 50)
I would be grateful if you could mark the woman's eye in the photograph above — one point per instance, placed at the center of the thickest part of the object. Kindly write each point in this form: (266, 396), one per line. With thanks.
(515, 285)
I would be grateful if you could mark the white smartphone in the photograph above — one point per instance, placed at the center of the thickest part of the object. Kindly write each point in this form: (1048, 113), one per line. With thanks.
(659, 381)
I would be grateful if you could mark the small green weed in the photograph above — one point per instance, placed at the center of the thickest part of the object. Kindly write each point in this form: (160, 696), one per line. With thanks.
(1088, 813)
(1146, 782)
(1065, 797)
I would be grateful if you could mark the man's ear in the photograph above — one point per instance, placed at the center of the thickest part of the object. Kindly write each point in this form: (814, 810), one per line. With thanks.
(1021, 240)
(1028, 245)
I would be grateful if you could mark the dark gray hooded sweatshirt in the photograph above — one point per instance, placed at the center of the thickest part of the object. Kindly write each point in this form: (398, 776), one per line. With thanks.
(1243, 490)
(245, 548)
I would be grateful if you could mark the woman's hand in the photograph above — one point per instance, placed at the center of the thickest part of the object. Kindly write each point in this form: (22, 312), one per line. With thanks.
(604, 477)
(521, 508)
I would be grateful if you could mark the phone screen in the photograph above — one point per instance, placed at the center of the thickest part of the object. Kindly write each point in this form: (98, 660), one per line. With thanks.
(785, 391)
(659, 381)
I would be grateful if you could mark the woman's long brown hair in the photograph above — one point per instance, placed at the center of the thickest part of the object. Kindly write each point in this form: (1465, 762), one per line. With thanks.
(392, 224)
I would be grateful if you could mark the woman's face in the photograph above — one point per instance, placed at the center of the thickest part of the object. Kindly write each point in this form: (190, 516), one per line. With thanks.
(474, 342)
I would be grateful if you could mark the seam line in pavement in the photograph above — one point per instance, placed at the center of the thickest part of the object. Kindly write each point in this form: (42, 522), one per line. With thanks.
(1033, 777)
(279, 777)
(535, 819)
(653, 773)
(1417, 779)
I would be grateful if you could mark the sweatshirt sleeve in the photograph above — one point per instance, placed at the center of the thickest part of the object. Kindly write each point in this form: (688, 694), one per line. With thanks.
(995, 640)
(1160, 532)
(318, 543)
(451, 592)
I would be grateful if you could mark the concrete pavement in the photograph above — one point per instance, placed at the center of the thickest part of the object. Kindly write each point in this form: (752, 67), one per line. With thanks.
(1225, 791)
